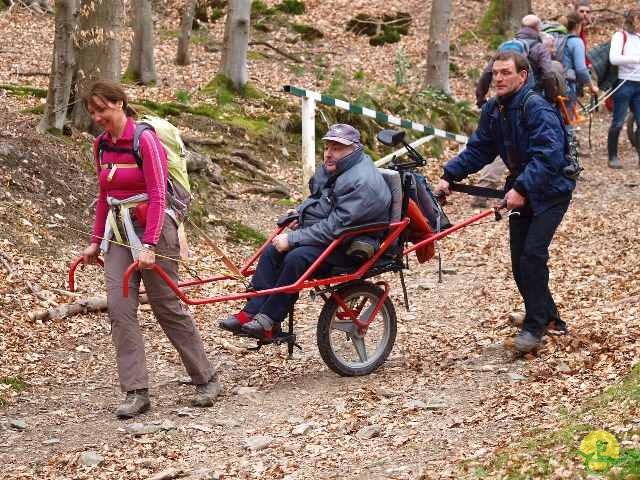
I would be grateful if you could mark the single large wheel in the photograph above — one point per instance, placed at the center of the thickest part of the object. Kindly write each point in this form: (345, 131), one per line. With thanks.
(344, 348)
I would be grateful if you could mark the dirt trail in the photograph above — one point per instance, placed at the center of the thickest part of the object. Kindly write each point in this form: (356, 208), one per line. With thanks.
(448, 354)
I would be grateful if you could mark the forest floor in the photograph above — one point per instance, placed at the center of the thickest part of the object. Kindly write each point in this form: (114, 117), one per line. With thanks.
(452, 401)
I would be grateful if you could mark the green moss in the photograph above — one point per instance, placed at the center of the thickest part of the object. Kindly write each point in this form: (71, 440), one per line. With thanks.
(467, 37)
(183, 96)
(288, 202)
(291, 7)
(359, 75)
(37, 110)
(223, 90)
(199, 38)
(388, 35)
(386, 29)
(261, 26)
(168, 34)
(297, 70)
(473, 73)
(238, 232)
(494, 20)
(307, 32)
(258, 7)
(24, 90)
(216, 14)
(253, 55)
(15, 382)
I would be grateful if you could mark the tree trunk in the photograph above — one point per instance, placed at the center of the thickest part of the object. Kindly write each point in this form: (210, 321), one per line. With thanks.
(236, 43)
(62, 67)
(141, 67)
(97, 42)
(516, 9)
(182, 56)
(437, 75)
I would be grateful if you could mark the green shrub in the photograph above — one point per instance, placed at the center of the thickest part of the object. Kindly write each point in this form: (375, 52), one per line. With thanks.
(291, 7)
(307, 32)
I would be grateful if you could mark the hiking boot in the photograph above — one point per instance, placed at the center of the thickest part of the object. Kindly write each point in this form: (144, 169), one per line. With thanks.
(525, 342)
(206, 393)
(233, 323)
(135, 403)
(261, 327)
(612, 148)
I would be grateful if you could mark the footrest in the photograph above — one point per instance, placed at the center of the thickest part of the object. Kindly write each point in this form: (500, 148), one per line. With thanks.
(278, 339)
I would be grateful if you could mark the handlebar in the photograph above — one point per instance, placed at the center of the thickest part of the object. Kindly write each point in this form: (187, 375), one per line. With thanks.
(72, 270)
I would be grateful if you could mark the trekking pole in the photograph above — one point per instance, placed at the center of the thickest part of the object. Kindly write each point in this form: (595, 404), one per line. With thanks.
(225, 259)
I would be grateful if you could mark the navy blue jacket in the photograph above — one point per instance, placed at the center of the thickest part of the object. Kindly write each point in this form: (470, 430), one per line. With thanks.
(531, 142)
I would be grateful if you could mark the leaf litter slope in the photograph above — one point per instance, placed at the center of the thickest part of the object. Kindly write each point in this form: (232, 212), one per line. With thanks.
(447, 355)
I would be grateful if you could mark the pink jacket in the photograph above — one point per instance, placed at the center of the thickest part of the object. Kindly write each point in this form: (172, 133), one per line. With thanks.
(126, 182)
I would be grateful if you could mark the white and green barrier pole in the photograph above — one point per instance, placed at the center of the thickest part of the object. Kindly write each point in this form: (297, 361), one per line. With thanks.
(309, 99)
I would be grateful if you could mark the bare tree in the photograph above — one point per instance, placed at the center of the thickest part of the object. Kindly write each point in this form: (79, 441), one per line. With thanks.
(182, 56)
(141, 67)
(97, 42)
(516, 9)
(236, 43)
(437, 74)
(62, 67)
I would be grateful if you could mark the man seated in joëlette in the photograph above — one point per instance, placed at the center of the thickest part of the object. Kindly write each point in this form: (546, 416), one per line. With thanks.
(348, 190)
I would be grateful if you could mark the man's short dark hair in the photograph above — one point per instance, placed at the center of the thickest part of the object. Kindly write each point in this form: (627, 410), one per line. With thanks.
(573, 20)
(519, 61)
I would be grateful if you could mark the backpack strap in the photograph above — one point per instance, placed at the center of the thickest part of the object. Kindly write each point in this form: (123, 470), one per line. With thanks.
(526, 99)
(141, 127)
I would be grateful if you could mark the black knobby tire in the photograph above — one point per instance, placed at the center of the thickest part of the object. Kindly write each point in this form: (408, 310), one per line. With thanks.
(379, 337)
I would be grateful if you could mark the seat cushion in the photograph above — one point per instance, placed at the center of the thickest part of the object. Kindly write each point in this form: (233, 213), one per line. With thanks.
(395, 186)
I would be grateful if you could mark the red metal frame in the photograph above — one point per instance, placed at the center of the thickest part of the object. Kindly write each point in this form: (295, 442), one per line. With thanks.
(302, 283)
(305, 281)
(72, 271)
(353, 314)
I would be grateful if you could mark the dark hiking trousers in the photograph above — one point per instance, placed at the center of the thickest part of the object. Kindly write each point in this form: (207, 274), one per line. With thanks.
(176, 322)
(276, 269)
(530, 237)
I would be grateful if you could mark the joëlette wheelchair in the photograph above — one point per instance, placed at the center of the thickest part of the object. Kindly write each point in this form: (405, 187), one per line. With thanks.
(357, 325)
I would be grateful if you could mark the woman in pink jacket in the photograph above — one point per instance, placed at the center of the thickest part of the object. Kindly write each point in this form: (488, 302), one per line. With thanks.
(133, 223)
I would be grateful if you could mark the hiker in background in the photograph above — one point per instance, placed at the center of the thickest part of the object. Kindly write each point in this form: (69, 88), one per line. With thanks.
(131, 209)
(625, 53)
(527, 133)
(528, 41)
(556, 67)
(573, 59)
(583, 8)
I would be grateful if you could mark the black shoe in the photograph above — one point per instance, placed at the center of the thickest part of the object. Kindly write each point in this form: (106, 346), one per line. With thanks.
(261, 327)
(233, 323)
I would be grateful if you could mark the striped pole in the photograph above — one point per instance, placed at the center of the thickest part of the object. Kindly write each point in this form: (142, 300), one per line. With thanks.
(367, 112)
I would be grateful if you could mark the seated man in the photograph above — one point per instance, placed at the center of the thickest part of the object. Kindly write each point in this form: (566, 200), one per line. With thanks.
(348, 190)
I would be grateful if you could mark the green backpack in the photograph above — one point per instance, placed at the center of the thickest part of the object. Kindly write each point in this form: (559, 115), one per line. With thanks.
(179, 190)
